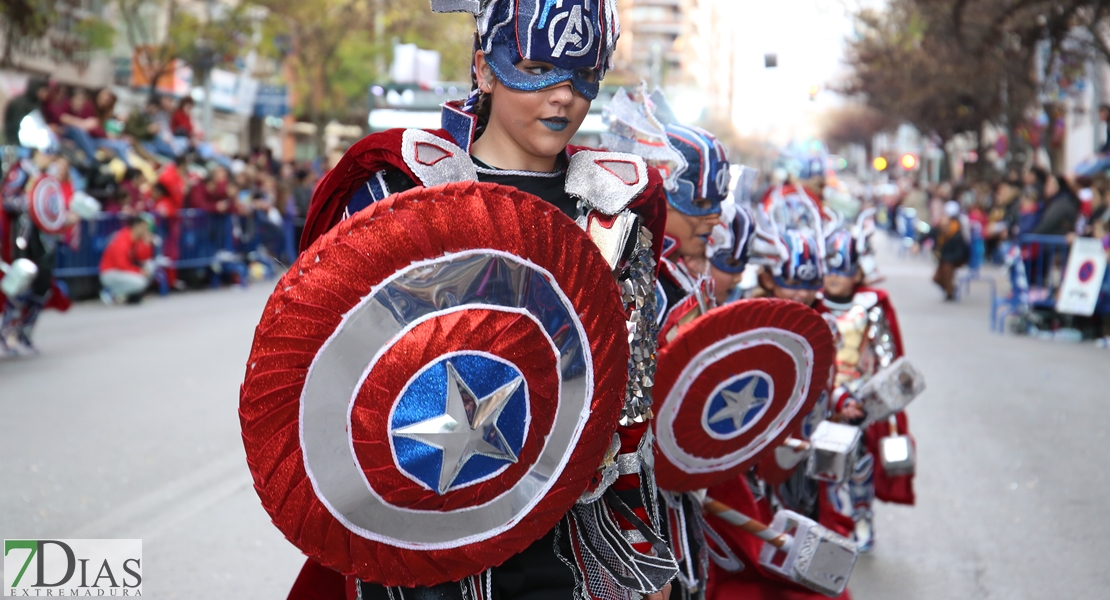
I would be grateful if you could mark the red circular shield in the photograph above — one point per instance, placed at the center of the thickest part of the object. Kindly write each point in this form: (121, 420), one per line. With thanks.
(733, 385)
(434, 383)
(47, 205)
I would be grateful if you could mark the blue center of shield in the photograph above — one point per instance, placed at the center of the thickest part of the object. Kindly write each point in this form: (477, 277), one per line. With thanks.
(461, 420)
(738, 404)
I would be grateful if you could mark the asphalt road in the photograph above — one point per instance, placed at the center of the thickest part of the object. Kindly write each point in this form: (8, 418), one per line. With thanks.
(126, 426)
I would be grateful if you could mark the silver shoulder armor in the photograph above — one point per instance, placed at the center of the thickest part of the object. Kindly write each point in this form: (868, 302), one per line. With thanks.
(434, 160)
(865, 299)
(606, 181)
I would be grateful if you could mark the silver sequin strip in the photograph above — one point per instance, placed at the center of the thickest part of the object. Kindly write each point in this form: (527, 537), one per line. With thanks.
(637, 283)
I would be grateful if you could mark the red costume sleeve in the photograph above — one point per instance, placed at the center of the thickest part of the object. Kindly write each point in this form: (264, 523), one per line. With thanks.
(753, 582)
(369, 155)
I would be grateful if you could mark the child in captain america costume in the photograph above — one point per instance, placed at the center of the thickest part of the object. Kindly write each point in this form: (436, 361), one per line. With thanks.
(537, 66)
(26, 240)
(695, 170)
(787, 245)
(870, 340)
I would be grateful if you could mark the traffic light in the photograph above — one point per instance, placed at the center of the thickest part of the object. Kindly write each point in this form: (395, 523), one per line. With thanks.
(909, 162)
(879, 163)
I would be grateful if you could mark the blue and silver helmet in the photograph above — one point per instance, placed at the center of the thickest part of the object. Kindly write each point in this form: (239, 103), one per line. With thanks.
(842, 254)
(731, 243)
(803, 265)
(578, 37)
(707, 173)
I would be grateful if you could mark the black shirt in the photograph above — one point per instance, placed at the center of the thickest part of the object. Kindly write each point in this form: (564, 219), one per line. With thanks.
(549, 187)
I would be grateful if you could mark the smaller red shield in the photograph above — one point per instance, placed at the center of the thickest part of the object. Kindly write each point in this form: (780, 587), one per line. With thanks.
(733, 385)
(47, 205)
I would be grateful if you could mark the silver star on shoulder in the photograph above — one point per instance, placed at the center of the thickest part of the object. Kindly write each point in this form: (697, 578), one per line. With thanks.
(467, 428)
(737, 404)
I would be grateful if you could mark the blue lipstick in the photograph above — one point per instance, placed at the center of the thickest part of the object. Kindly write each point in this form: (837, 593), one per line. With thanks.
(556, 123)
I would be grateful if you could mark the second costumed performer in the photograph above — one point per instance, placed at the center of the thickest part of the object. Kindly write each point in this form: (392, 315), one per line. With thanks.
(448, 394)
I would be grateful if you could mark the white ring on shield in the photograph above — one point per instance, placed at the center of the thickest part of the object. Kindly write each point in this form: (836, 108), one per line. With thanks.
(792, 344)
(340, 364)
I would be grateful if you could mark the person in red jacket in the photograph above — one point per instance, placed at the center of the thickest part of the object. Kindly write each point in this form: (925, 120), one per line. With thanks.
(125, 269)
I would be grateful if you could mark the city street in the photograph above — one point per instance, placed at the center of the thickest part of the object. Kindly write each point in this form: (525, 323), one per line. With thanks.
(126, 427)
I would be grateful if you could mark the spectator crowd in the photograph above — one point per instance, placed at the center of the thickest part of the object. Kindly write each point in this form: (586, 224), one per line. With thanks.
(950, 218)
(150, 161)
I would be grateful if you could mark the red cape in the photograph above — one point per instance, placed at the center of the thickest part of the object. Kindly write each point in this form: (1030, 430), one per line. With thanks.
(379, 151)
(898, 490)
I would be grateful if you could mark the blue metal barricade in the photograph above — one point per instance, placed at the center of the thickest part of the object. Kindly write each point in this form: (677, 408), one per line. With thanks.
(1045, 257)
(1016, 304)
(198, 236)
(84, 260)
(975, 261)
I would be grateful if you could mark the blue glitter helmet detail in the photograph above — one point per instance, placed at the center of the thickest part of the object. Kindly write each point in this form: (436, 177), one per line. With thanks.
(803, 268)
(841, 254)
(732, 241)
(577, 37)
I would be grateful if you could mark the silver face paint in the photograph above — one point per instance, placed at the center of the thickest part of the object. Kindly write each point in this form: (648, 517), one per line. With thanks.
(486, 279)
(793, 345)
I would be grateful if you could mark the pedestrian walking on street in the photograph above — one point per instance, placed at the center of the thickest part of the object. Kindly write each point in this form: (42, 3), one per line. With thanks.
(951, 247)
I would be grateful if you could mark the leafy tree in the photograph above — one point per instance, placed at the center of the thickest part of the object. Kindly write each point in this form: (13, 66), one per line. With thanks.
(338, 48)
(165, 31)
(854, 124)
(23, 21)
(909, 63)
(952, 66)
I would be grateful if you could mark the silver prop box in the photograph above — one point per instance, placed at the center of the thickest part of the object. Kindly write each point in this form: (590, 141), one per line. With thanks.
(797, 548)
(17, 277)
(897, 453)
(890, 390)
(833, 450)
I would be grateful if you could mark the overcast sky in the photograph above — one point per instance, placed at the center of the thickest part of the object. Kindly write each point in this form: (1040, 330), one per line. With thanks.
(808, 37)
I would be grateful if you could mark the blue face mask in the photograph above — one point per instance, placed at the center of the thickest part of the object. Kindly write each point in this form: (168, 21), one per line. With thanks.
(585, 81)
(576, 37)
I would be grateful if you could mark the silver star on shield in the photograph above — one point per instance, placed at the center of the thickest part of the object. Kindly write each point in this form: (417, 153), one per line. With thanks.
(737, 404)
(467, 428)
